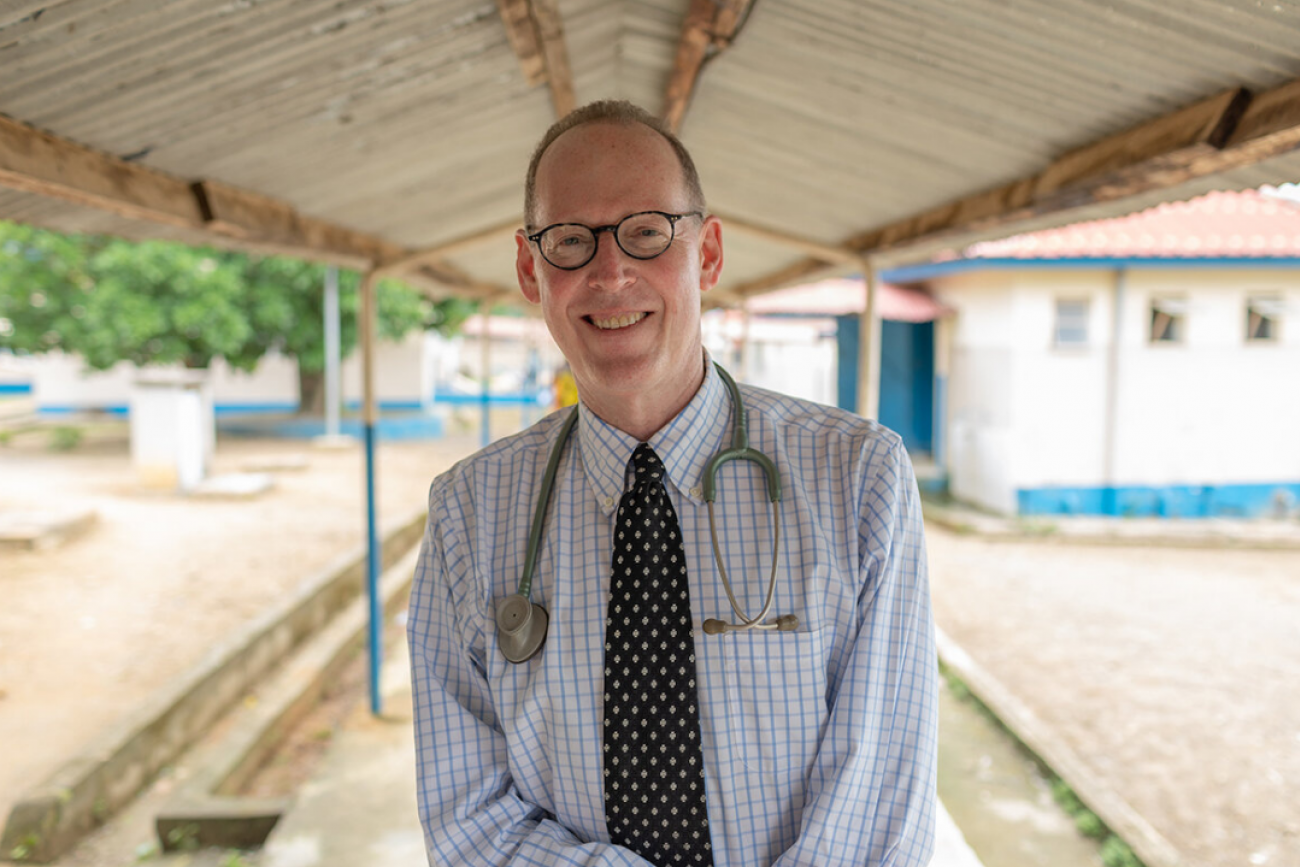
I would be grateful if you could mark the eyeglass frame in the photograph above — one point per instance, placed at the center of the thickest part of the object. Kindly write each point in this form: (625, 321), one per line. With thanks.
(596, 231)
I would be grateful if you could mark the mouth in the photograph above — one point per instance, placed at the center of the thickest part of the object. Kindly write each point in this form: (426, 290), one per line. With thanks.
(613, 323)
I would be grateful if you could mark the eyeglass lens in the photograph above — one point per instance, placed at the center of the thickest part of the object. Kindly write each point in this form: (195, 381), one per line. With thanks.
(641, 236)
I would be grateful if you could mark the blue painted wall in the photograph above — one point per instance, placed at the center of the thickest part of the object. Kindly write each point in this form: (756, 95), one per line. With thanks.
(1171, 501)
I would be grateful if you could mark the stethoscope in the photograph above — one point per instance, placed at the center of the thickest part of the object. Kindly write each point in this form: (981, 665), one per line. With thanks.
(522, 623)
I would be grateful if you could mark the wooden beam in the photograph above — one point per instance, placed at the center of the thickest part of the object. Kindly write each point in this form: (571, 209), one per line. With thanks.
(273, 224)
(452, 278)
(522, 33)
(1230, 130)
(34, 161)
(815, 249)
(708, 29)
(449, 248)
(1160, 153)
(537, 37)
(546, 15)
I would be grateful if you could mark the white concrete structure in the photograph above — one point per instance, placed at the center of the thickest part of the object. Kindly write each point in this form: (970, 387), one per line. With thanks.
(61, 383)
(1145, 365)
(1108, 418)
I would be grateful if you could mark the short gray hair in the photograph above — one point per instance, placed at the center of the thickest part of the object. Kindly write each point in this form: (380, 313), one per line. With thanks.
(618, 112)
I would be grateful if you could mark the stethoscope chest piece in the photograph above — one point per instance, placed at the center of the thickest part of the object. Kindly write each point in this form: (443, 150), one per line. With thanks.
(521, 627)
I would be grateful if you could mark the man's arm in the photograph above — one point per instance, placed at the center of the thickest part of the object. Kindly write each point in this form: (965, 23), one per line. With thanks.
(871, 794)
(469, 806)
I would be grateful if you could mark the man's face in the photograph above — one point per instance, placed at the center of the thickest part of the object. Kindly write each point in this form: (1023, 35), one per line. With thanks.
(630, 328)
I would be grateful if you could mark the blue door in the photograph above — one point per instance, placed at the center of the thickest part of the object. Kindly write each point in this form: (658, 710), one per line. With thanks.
(906, 378)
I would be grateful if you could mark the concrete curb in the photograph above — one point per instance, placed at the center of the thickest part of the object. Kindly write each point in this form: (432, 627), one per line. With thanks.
(1046, 530)
(205, 811)
(111, 770)
(1038, 738)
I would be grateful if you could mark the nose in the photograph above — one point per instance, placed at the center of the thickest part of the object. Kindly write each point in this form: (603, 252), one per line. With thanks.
(608, 269)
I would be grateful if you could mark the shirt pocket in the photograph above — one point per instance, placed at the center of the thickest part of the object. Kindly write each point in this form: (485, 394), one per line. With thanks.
(776, 687)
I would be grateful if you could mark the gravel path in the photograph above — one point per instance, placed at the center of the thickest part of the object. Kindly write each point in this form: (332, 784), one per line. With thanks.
(1171, 673)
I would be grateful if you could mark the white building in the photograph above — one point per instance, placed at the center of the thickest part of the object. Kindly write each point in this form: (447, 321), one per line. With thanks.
(1147, 365)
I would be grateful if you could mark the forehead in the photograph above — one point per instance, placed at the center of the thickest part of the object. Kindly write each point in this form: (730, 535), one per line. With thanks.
(600, 172)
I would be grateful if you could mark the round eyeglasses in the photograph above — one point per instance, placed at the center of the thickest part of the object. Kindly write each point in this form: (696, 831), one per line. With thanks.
(569, 246)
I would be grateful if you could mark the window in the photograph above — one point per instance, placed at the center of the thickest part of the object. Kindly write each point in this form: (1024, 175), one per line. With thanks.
(1071, 322)
(1168, 320)
(1263, 318)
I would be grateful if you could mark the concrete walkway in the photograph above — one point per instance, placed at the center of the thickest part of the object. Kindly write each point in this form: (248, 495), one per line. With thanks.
(359, 808)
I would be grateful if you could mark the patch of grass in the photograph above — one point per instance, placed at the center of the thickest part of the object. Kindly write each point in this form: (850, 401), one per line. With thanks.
(234, 859)
(1036, 527)
(183, 838)
(65, 437)
(1116, 853)
(26, 847)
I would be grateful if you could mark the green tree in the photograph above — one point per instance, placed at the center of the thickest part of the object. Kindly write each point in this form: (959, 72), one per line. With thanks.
(109, 300)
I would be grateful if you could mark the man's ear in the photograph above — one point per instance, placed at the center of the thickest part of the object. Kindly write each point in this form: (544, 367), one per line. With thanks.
(710, 253)
(526, 268)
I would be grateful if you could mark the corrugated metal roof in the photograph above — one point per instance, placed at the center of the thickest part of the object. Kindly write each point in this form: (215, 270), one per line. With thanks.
(411, 119)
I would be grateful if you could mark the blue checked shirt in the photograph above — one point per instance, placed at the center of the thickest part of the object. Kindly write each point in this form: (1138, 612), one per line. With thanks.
(819, 744)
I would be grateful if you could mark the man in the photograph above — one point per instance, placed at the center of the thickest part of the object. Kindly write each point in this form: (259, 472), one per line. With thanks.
(806, 746)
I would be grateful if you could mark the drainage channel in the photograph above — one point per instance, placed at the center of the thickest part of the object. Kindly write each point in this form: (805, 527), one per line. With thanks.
(998, 796)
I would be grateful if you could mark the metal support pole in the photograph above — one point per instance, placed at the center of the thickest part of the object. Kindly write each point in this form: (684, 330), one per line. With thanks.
(332, 351)
(370, 417)
(485, 359)
(869, 348)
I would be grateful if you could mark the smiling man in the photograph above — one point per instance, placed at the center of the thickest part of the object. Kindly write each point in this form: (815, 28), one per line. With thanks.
(626, 677)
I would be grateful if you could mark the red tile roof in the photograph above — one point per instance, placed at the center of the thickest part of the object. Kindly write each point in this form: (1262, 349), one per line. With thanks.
(1245, 224)
(837, 297)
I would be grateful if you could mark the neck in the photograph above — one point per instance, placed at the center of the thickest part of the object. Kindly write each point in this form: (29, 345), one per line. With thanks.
(642, 415)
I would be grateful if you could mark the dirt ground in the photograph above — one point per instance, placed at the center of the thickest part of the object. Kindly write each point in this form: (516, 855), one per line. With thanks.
(1171, 672)
(92, 629)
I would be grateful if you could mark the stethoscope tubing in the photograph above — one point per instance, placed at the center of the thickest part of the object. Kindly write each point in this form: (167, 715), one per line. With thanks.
(522, 624)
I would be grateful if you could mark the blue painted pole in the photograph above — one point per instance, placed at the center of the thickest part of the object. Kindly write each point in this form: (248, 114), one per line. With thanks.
(370, 417)
(372, 573)
(485, 357)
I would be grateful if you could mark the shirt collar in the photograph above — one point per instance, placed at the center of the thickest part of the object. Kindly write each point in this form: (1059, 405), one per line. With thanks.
(685, 444)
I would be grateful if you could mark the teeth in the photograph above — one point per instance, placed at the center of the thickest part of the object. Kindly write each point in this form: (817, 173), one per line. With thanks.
(618, 321)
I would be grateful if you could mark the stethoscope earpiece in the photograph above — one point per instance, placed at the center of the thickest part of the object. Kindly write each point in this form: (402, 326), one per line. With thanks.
(521, 628)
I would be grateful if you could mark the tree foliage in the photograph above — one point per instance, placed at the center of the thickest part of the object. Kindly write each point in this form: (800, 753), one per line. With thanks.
(155, 303)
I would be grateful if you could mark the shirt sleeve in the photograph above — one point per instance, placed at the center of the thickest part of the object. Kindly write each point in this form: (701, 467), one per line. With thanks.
(470, 809)
(871, 794)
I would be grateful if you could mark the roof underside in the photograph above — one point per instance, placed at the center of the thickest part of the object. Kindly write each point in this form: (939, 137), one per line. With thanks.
(411, 121)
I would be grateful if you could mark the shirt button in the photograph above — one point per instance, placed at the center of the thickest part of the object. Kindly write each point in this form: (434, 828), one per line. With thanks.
(696, 491)
(609, 502)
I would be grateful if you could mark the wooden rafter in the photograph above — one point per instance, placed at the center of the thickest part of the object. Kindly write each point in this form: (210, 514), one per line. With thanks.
(1227, 131)
(709, 27)
(272, 224)
(537, 37)
(38, 162)
(823, 252)
(35, 161)
(517, 16)
(439, 252)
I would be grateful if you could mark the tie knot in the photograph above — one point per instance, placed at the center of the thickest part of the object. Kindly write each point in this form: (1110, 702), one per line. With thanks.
(646, 466)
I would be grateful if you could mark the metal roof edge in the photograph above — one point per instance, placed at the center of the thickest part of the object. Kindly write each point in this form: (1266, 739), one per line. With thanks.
(930, 270)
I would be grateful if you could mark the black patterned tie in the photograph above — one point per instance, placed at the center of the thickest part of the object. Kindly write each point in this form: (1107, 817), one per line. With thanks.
(654, 767)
